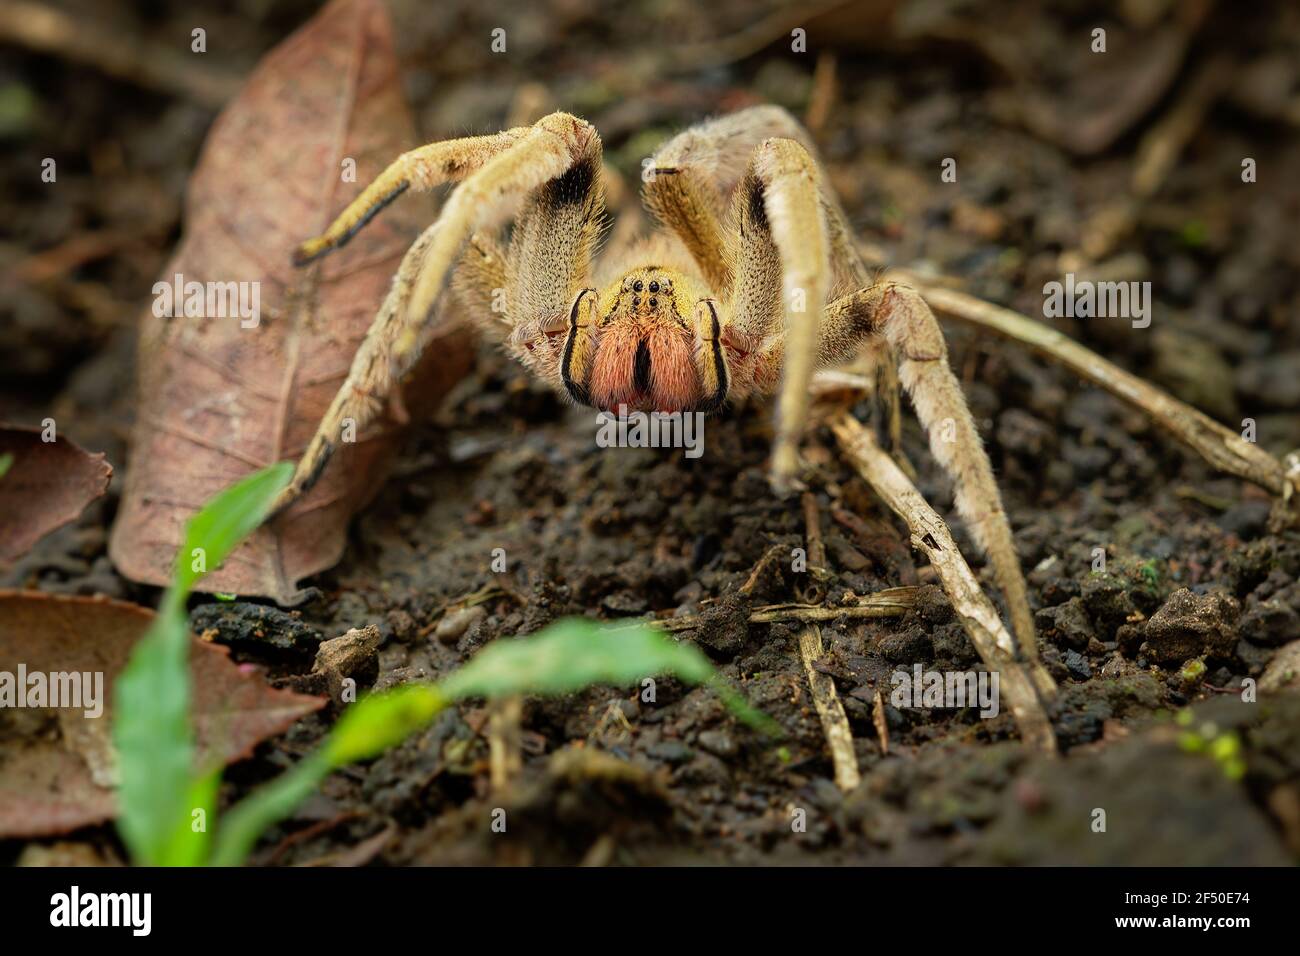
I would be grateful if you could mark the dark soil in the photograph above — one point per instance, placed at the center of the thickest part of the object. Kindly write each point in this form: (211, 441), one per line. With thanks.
(1192, 573)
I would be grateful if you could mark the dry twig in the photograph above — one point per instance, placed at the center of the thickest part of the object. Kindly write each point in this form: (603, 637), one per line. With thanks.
(505, 752)
(882, 725)
(835, 725)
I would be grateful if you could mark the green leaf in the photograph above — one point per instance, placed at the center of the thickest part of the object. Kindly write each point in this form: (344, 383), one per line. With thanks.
(240, 828)
(367, 729)
(153, 739)
(192, 838)
(6, 462)
(228, 519)
(152, 731)
(379, 721)
(567, 656)
(573, 654)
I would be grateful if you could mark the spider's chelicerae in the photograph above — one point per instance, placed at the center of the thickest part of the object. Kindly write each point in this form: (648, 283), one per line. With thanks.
(751, 285)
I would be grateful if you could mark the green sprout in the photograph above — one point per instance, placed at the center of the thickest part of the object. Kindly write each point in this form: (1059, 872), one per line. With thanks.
(1192, 672)
(1224, 748)
(1150, 572)
(6, 462)
(161, 791)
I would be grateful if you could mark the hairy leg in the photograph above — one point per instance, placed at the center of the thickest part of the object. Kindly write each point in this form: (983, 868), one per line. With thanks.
(549, 261)
(421, 169)
(703, 189)
(788, 186)
(479, 281)
(683, 200)
(898, 313)
(497, 170)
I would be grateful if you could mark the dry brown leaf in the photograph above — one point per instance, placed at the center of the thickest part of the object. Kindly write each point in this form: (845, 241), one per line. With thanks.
(219, 400)
(47, 485)
(56, 765)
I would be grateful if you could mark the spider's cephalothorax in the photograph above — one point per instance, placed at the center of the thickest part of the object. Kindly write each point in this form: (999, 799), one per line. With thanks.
(752, 284)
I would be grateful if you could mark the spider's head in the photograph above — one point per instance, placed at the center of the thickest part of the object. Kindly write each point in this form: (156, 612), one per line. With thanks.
(640, 347)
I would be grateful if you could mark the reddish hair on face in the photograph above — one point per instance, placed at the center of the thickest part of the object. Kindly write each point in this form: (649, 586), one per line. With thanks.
(612, 372)
(673, 384)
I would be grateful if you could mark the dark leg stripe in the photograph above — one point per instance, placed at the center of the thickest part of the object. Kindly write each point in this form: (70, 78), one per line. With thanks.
(371, 213)
(714, 402)
(577, 391)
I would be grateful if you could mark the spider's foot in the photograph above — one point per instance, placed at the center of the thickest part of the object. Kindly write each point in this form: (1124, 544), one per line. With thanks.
(311, 250)
(784, 475)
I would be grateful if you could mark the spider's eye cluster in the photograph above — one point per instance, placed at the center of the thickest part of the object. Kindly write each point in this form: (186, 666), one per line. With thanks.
(653, 286)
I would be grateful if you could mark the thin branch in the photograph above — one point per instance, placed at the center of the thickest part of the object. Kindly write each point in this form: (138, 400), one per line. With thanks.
(881, 724)
(814, 591)
(835, 725)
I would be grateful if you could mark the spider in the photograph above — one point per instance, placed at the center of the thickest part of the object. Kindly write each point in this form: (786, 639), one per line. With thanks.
(751, 283)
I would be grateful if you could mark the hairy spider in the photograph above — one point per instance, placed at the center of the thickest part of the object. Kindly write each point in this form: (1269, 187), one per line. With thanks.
(752, 284)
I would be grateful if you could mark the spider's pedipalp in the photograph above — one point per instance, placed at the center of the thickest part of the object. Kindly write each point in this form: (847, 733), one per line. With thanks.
(575, 365)
(710, 357)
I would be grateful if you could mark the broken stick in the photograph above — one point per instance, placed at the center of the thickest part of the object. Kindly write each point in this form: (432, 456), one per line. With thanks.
(835, 724)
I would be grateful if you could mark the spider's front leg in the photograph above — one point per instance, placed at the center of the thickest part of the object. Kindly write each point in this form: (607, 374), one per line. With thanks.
(707, 188)
(554, 160)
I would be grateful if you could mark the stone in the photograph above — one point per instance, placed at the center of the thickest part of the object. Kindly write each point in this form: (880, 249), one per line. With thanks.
(1190, 625)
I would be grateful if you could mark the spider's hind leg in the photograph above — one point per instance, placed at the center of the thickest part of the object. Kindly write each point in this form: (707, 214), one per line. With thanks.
(896, 312)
